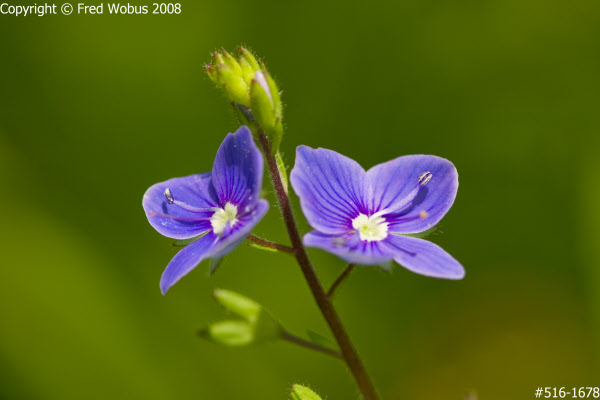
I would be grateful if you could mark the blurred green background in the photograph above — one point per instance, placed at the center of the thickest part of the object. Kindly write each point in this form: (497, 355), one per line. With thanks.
(95, 109)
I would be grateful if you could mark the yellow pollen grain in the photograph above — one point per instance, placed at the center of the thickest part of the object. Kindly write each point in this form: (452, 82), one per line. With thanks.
(423, 214)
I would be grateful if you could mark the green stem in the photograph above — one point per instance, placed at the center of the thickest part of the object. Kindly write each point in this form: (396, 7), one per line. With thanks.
(339, 280)
(271, 245)
(329, 313)
(310, 345)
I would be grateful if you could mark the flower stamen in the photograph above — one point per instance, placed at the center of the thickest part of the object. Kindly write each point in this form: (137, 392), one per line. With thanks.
(223, 217)
(171, 200)
(422, 180)
(169, 196)
(370, 229)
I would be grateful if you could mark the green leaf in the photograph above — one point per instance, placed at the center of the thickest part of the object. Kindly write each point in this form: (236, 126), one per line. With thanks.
(243, 116)
(423, 234)
(267, 327)
(387, 266)
(214, 265)
(472, 395)
(300, 392)
(229, 333)
(266, 107)
(258, 246)
(226, 72)
(319, 339)
(282, 171)
(238, 304)
(256, 324)
(185, 242)
(231, 62)
(248, 64)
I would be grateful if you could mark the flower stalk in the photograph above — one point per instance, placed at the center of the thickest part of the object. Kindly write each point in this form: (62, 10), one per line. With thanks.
(365, 217)
(285, 335)
(348, 351)
(268, 244)
(340, 280)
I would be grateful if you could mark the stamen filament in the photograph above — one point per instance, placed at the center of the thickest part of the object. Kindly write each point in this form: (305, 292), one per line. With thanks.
(176, 217)
(423, 180)
(171, 200)
(193, 209)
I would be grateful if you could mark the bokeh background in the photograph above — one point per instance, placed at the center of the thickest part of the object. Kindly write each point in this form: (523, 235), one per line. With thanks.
(95, 109)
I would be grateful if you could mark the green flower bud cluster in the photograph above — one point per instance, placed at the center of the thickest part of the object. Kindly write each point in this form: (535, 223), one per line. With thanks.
(233, 75)
(300, 392)
(246, 82)
(253, 323)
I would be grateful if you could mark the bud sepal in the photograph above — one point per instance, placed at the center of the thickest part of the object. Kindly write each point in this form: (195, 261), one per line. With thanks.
(253, 324)
(300, 392)
(267, 108)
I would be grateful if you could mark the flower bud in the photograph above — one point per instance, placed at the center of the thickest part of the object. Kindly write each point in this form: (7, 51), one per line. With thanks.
(300, 392)
(226, 72)
(238, 304)
(248, 64)
(231, 62)
(256, 324)
(229, 333)
(211, 71)
(266, 107)
(246, 82)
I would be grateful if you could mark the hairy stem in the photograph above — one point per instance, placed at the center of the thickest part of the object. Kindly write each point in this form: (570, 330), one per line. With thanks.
(329, 313)
(339, 280)
(267, 243)
(310, 345)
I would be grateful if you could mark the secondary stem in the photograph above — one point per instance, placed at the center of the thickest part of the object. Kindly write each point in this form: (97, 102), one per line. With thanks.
(329, 313)
(339, 280)
(269, 244)
(310, 345)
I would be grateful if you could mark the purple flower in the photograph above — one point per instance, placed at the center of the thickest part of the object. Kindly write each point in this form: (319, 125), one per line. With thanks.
(222, 205)
(365, 217)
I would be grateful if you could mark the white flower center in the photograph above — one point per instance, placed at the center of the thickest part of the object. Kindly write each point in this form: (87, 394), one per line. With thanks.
(223, 215)
(373, 228)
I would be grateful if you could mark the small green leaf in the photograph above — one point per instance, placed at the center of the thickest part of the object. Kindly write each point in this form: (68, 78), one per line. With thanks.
(387, 266)
(319, 339)
(258, 246)
(238, 304)
(266, 107)
(226, 72)
(214, 265)
(243, 116)
(248, 64)
(282, 171)
(423, 234)
(256, 325)
(300, 392)
(185, 242)
(229, 333)
(267, 327)
(231, 62)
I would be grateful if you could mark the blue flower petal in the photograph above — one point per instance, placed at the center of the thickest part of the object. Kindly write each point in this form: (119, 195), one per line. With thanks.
(246, 221)
(187, 259)
(423, 257)
(396, 179)
(238, 169)
(331, 188)
(212, 245)
(409, 195)
(172, 220)
(350, 248)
